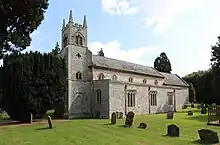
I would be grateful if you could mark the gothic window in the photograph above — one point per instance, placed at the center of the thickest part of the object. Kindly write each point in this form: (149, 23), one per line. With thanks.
(78, 76)
(101, 76)
(153, 98)
(114, 77)
(98, 97)
(65, 42)
(131, 98)
(77, 39)
(130, 79)
(80, 41)
(156, 82)
(144, 81)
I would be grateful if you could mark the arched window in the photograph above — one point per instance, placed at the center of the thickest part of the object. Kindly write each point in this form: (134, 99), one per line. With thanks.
(130, 79)
(65, 42)
(78, 76)
(98, 97)
(131, 98)
(144, 81)
(156, 82)
(101, 76)
(77, 39)
(114, 77)
(80, 41)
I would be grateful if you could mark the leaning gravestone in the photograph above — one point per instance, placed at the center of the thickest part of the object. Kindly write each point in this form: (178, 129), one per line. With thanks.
(208, 136)
(117, 114)
(49, 122)
(129, 119)
(173, 130)
(203, 110)
(113, 118)
(142, 125)
(120, 115)
(170, 114)
(190, 113)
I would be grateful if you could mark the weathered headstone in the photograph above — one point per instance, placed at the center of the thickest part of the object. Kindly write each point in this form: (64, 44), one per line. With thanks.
(142, 125)
(190, 112)
(120, 115)
(170, 114)
(173, 130)
(129, 119)
(203, 110)
(208, 135)
(113, 118)
(49, 122)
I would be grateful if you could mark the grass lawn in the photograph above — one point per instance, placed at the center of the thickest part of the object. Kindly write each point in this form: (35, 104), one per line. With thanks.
(99, 132)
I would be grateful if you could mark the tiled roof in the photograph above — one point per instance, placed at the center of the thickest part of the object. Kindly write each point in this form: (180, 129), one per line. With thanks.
(123, 65)
(173, 79)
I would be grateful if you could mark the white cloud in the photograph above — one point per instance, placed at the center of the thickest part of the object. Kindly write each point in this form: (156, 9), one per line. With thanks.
(114, 50)
(119, 7)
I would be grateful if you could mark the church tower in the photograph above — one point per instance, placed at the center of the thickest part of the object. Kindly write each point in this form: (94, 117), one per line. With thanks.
(74, 48)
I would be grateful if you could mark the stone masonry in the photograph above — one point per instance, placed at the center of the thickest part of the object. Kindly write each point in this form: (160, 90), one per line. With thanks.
(99, 85)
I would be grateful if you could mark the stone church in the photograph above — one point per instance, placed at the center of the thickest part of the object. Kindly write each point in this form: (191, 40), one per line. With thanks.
(98, 86)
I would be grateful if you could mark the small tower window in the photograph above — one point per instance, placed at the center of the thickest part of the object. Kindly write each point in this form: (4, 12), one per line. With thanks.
(65, 42)
(144, 81)
(156, 82)
(98, 97)
(114, 77)
(101, 76)
(130, 79)
(78, 76)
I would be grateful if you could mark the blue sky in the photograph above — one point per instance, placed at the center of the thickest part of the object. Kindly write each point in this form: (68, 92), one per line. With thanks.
(139, 30)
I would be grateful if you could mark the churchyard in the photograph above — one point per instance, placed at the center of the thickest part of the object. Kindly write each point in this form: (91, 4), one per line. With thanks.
(103, 131)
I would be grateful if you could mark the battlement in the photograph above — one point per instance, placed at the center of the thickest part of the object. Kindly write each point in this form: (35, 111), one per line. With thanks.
(75, 25)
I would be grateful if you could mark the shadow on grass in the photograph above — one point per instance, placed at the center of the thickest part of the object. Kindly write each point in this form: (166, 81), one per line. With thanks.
(44, 128)
(203, 142)
(201, 118)
(108, 124)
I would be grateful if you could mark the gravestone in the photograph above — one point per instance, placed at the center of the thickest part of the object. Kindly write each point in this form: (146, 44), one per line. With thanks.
(113, 118)
(31, 118)
(208, 135)
(190, 113)
(120, 115)
(173, 130)
(170, 114)
(142, 125)
(129, 119)
(203, 110)
(49, 122)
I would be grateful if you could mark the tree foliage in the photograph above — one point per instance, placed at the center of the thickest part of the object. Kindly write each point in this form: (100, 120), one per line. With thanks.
(206, 83)
(56, 50)
(101, 53)
(18, 19)
(192, 93)
(32, 82)
(162, 63)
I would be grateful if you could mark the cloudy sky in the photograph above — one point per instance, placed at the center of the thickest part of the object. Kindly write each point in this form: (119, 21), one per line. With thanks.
(139, 30)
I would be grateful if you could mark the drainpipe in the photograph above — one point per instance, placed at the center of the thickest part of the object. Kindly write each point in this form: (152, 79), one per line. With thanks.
(149, 99)
(125, 89)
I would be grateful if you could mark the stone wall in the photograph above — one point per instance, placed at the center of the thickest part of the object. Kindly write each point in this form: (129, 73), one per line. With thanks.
(103, 108)
(182, 97)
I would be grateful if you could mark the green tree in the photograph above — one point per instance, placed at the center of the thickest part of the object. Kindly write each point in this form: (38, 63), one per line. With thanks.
(192, 93)
(33, 82)
(56, 50)
(18, 20)
(101, 53)
(162, 63)
(215, 54)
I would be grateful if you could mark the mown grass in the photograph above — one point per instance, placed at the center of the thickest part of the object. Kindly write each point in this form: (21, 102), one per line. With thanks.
(100, 132)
